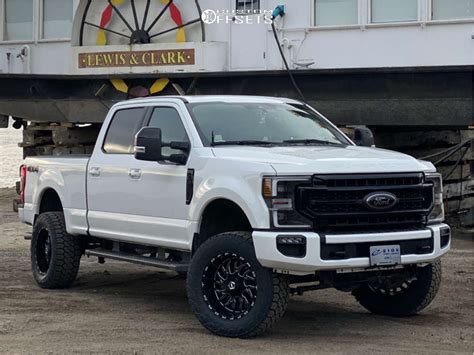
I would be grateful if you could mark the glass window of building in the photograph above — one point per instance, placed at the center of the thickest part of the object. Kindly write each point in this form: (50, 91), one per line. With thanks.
(247, 6)
(57, 18)
(18, 20)
(394, 11)
(452, 9)
(335, 12)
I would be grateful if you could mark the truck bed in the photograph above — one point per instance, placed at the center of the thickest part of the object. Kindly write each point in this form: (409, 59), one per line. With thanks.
(67, 176)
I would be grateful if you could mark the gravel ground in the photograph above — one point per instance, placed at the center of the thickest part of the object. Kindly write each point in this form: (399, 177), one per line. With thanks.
(123, 308)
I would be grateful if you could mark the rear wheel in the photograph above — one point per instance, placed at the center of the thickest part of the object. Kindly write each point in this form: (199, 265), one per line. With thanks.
(401, 297)
(230, 292)
(55, 255)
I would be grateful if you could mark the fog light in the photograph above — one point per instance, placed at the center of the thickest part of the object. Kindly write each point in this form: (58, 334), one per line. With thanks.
(292, 245)
(291, 240)
(445, 236)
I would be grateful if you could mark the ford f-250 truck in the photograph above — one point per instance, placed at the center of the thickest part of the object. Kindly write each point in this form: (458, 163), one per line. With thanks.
(253, 198)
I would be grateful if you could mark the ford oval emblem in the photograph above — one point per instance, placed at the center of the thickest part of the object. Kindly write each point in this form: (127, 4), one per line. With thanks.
(380, 200)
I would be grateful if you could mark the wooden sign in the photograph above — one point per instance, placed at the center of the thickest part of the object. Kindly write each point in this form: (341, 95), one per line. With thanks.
(137, 59)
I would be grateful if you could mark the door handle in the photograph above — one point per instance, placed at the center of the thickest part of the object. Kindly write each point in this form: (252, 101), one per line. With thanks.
(94, 171)
(135, 173)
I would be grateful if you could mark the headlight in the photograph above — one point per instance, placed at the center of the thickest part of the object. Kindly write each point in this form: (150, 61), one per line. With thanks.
(437, 214)
(279, 195)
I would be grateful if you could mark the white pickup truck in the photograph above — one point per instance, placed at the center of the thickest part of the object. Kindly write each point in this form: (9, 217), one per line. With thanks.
(253, 198)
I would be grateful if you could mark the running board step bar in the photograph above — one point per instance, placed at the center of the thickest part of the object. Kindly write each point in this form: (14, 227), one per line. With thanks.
(138, 259)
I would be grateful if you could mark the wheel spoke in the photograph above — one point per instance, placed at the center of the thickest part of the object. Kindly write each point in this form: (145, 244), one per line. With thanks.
(238, 304)
(175, 28)
(117, 11)
(223, 271)
(145, 15)
(224, 298)
(250, 295)
(248, 277)
(229, 268)
(253, 287)
(220, 276)
(106, 29)
(221, 284)
(135, 17)
(234, 304)
(246, 300)
(240, 268)
(159, 16)
(229, 300)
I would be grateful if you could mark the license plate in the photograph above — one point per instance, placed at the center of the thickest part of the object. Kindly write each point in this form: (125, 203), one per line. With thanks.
(385, 255)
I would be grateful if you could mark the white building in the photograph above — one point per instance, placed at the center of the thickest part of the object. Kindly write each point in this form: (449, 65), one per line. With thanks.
(334, 34)
(403, 67)
(363, 61)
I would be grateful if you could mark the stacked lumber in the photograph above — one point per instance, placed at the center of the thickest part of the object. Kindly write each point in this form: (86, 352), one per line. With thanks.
(58, 139)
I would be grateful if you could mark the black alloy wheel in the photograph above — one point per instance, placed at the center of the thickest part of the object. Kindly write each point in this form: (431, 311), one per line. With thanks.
(43, 251)
(229, 286)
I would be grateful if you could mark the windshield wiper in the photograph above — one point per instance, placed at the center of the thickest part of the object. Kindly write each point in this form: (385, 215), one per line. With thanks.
(311, 141)
(244, 142)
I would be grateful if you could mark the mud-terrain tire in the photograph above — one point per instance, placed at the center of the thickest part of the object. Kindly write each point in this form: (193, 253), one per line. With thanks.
(229, 291)
(55, 254)
(409, 300)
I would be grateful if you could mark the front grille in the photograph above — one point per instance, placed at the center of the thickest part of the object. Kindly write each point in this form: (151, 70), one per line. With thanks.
(336, 203)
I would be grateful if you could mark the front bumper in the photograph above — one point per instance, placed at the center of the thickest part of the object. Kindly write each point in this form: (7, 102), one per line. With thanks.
(268, 255)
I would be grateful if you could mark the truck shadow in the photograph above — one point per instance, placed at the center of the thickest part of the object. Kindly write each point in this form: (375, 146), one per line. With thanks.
(316, 314)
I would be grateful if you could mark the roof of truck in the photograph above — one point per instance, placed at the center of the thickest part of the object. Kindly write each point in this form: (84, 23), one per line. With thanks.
(210, 98)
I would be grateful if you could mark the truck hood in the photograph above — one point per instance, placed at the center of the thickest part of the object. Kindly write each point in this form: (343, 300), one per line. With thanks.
(325, 159)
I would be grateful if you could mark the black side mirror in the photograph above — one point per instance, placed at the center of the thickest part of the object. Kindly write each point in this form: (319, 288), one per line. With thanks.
(364, 137)
(179, 159)
(148, 144)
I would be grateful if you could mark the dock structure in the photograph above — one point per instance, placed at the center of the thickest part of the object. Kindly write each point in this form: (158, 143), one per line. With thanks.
(406, 74)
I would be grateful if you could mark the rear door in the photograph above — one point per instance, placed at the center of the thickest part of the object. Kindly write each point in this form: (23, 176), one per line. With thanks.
(112, 201)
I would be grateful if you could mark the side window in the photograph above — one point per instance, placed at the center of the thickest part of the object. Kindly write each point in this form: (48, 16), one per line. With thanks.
(57, 18)
(172, 129)
(122, 130)
(452, 10)
(247, 6)
(18, 20)
(335, 13)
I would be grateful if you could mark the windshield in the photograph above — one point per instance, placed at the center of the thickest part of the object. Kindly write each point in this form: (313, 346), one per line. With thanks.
(225, 123)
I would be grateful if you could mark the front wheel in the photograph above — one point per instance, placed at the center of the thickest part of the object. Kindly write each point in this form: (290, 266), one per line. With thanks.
(230, 292)
(401, 297)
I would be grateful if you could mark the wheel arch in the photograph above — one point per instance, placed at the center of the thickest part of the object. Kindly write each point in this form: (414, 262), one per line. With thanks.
(49, 201)
(220, 215)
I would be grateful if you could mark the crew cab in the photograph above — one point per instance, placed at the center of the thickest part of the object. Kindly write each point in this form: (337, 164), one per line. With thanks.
(251, 198)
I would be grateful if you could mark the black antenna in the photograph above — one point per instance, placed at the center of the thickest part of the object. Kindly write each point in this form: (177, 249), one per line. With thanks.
(212, 139)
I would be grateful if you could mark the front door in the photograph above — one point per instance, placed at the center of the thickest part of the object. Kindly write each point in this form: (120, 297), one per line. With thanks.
(139, 201)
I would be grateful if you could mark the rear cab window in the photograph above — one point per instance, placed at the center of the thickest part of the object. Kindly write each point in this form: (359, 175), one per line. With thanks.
(122, 129)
